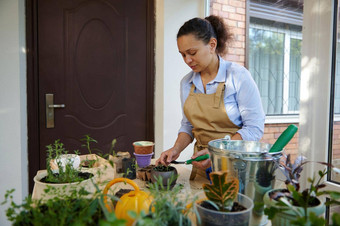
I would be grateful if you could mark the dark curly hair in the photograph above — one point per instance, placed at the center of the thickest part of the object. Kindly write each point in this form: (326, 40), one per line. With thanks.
(204, 29)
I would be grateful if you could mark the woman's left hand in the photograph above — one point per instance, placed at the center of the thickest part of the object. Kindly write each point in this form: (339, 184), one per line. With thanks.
(204, 164)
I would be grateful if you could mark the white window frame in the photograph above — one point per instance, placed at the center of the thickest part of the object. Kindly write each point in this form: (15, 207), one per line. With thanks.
(315, 86)
(287, 37)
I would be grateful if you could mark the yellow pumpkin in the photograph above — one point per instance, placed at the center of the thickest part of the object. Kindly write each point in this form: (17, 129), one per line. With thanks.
(136, 200)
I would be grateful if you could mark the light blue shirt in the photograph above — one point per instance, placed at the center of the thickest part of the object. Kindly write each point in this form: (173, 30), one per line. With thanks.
(241, 99)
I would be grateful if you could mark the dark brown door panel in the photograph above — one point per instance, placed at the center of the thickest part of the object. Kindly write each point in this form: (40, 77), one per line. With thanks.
(96, 58)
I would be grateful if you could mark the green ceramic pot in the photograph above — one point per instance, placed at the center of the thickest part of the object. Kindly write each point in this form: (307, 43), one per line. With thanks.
(284, 218)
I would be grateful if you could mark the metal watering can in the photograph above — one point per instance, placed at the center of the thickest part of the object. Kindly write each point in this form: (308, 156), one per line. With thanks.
(253, 163)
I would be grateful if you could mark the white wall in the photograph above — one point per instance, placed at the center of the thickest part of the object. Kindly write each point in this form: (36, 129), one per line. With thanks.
(170, 68)
(13, 123)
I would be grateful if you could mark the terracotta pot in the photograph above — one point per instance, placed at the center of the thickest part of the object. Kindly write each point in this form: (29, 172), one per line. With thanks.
(143, 147)
(164, 175)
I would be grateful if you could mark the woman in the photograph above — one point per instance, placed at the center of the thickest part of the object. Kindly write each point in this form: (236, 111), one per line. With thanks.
(218, 97)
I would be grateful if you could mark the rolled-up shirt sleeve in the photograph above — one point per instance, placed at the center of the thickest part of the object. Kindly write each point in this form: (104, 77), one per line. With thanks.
(186, 127)
(250, 107)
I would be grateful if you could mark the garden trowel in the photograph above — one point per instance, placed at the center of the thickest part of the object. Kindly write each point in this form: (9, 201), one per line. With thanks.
(199, 158)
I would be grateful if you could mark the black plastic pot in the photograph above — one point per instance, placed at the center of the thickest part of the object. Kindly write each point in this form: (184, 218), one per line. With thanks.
(129, 168)
(165, 175)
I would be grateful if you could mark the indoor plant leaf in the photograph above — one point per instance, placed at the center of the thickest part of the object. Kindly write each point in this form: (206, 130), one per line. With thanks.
(223, 189)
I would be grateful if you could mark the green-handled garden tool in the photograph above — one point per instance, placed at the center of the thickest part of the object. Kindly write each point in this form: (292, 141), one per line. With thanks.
(284, 139)
(199, 158)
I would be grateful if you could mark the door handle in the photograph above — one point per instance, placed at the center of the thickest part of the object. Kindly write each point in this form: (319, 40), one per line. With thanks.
(50, 109)
(56, 105)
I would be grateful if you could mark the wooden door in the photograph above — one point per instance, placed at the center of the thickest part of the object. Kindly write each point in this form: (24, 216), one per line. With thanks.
(95, 57)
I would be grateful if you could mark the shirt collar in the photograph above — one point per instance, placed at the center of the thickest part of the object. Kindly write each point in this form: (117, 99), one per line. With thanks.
(221, 74)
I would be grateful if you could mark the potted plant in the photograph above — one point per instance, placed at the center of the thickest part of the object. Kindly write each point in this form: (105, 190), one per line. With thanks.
(143, 147)
(99, 164)
(165, 173)
(65, 178)
(143, 152)
(293, 206)
(169, 206)
(222, 204)
(78, 207)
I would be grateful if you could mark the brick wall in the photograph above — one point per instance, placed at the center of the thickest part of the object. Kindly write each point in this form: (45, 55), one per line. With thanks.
(273, 131)
(336, 141)
(234, 14)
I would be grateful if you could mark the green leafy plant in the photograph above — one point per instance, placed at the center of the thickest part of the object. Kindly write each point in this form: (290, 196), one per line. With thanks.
(169, 207)
(223, 190)
(292, 197)
(87, 142)
(66, 173)
(74, 208)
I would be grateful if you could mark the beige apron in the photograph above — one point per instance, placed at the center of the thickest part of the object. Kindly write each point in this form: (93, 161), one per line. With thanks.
(208, 116)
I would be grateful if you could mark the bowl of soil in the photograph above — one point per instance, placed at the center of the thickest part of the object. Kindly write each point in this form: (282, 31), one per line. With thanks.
(167, 173)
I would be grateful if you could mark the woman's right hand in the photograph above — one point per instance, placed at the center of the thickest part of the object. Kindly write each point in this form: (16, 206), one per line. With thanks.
(168, 156)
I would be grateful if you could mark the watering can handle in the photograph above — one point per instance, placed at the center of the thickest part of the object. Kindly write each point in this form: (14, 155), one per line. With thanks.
(114, 181)
(284, 138)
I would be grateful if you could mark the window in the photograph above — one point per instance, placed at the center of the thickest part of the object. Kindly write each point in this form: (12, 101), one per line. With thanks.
(334, 145)
(318, 97)
(274, 58)
(335, 108)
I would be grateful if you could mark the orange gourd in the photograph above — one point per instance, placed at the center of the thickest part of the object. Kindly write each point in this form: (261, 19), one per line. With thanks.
(136, 200)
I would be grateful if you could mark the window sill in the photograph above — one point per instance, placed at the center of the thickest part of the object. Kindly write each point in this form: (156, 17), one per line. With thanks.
(277, 119)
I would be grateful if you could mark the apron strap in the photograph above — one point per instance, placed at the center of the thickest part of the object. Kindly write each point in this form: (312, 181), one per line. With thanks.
(200, 147)
(192, 88)
(218, 94)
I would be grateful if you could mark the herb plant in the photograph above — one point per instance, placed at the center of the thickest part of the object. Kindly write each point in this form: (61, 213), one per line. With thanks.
(87, 142)
(74, 208)
(169, 206)
(65, 174)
